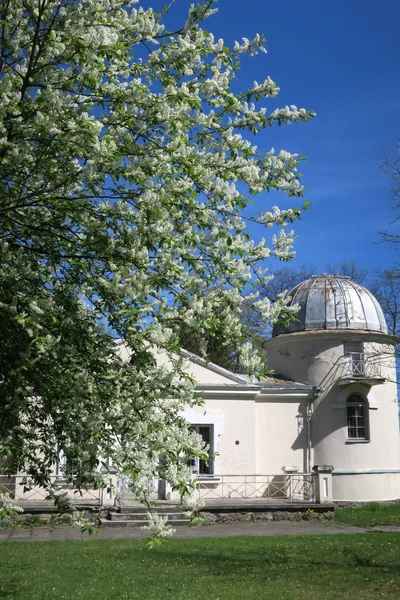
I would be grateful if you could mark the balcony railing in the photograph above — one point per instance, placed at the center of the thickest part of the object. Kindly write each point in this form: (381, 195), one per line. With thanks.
(361, 365)
(25, 493)
(293, 487)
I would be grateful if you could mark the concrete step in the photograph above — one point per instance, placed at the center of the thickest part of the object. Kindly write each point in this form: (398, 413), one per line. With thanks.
(141, 516)
(138, 523)
(161, 509)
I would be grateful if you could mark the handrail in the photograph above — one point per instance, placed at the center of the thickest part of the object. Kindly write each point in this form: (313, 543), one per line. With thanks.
(216, 475)
(293, 487)
(24, 491)
(358, 364)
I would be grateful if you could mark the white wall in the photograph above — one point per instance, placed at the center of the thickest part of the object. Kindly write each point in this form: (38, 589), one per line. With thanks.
(281, 435)
(234, 421)
(316, 358)
(366, 487)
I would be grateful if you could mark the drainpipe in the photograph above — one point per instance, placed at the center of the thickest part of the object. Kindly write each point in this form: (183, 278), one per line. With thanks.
(317, 391)
(309, 444)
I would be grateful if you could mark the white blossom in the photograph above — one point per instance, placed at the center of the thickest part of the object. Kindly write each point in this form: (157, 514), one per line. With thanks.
(127, 179)
(158, 525)
(8, 508)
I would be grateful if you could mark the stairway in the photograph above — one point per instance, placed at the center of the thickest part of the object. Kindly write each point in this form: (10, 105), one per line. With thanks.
(135, 515)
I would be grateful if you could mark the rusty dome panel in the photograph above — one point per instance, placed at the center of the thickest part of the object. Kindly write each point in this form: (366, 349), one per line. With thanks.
(334, 302)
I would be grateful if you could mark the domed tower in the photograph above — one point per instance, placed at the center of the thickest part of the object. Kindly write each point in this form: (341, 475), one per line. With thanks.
(340, 344)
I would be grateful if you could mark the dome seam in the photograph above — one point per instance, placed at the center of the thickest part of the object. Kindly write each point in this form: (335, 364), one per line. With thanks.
(361, 302)
(346, 311)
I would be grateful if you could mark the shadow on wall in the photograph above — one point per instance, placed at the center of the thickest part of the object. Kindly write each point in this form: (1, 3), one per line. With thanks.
(276, 488)
(325, 419)
(324, 422)
(301, 441)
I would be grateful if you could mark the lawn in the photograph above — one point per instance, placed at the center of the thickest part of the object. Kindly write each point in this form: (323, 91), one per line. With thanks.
(361, 566)
(370, 515)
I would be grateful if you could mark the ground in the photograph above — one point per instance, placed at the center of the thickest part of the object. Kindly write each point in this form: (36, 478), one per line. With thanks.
(357, 566)
(279, 560)
(369, 515)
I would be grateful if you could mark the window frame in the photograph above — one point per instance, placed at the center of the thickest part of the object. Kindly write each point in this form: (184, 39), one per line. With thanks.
(199, 464)
(353, 418)
(355, 352)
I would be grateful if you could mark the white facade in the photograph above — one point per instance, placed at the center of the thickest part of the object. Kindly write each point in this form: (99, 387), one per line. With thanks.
(332, 402)
(366, 467)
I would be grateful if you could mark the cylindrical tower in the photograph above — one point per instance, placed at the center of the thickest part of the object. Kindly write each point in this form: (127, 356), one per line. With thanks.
(339, 343)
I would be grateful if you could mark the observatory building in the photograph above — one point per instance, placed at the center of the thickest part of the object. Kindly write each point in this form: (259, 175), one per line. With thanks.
(330, 407)
(323, 427)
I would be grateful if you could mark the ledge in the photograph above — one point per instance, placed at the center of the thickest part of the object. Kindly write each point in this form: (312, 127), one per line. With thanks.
(366, 472)
(372, 405)
(348, 380)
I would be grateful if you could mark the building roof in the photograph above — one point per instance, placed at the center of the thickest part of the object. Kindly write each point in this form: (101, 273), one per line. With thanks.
(234, 377)
(333, 302)
(240, 383)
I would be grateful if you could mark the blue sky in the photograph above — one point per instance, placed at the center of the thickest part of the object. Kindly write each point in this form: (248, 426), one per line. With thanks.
(342, 59)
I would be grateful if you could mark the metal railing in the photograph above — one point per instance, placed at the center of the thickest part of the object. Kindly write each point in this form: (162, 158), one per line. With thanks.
(293, 487)
(24, 492)
(359, 364)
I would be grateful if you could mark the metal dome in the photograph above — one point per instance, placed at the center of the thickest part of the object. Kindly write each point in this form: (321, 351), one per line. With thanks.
(334, 302)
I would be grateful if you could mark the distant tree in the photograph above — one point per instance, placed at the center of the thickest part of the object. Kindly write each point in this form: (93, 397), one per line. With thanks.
(256, 328)
(271, 288)
(386, 288)
(212, 346)
(389, 164)
(386, 284)
(284, 279)
(348, 269)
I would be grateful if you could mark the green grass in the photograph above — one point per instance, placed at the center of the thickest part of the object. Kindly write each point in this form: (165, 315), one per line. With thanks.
(357, 567)
(370, 515)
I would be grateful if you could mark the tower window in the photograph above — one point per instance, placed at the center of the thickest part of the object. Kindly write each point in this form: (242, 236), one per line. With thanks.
(357, 418)
(354, 353)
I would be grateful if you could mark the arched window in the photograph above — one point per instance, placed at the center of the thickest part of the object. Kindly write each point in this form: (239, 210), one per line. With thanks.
(357, 418)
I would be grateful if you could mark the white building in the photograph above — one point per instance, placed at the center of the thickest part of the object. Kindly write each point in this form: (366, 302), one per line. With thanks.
(333, 402)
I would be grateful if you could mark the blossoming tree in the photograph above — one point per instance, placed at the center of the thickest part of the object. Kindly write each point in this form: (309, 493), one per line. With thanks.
(127, 161)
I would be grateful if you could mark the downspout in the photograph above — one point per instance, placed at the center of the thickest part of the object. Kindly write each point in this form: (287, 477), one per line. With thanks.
(317, 390)
(309, 443)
